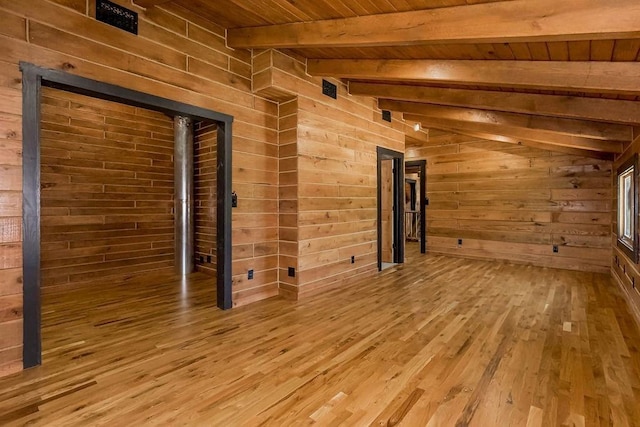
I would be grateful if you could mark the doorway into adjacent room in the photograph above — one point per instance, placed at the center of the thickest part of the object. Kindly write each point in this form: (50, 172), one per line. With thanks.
(390, 208)
(416, 202)
(98, 168)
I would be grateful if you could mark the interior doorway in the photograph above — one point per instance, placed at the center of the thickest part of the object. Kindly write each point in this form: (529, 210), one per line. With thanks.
(34, 79)
(416, 202)
(390, 165)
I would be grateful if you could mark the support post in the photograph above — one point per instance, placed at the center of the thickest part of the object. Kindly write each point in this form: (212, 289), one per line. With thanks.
(183, 199)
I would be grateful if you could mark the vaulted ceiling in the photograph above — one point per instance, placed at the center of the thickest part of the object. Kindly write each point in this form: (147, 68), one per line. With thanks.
(551, 73)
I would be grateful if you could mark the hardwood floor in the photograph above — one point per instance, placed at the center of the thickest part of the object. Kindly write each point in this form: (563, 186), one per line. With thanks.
(439, 341)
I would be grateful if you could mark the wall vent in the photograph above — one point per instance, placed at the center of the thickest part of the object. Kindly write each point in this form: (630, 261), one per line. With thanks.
(329, 89)
(117, 16)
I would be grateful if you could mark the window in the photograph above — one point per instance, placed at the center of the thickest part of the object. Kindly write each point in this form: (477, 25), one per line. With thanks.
(627, 208)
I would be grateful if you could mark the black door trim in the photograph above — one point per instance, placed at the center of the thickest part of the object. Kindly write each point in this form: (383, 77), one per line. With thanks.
(398, 203)
(422, 164)
(33, 78)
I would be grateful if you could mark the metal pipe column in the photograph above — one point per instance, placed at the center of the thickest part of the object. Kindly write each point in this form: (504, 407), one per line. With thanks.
(183, 199)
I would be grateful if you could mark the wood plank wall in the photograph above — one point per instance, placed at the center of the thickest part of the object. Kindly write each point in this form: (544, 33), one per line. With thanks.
(624, 270)
(176, 55)
(206, 196)
(10, 222)
(107, 190)
(288, 197)
(255, 224)
(336, 175)
(510, 202)
(337, 181)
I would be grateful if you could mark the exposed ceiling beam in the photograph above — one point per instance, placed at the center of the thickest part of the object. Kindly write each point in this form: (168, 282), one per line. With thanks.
(412, 136)
(150, 3)
(519, 133)
(598, 77)
(582, 128)
(606, 110)
(500, 22)
(534, 144)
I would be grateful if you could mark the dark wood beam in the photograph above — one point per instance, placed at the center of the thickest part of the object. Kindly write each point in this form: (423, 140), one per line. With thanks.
(580, 76)
(598, 109)
(499, 22)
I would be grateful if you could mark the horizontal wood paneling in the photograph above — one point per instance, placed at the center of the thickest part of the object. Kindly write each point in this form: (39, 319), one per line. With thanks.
(206, 196)
(624, 270)
(177, 55)
(327, 192)
(509, 202)
(11, 205)
(337, 182)
(288, 194)
(87, 141)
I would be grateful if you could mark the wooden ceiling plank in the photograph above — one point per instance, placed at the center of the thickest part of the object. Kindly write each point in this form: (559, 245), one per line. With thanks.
(573, 127)
(583, 76)
(605, 110)
(500, 22)
(150, 3)
(520, 133)
(534, 144)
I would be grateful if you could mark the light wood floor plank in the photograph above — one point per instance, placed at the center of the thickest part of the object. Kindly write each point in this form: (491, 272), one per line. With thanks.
(438, 341)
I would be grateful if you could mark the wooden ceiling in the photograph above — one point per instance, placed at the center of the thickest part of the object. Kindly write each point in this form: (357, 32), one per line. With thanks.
(563, 73)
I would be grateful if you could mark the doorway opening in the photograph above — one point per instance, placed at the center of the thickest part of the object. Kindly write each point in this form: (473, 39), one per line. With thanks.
(390, 165)
(34, 79)
(416, 202)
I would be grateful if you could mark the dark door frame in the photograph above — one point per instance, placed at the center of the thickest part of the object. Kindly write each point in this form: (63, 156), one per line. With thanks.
(412, 196)
(422, 165)
(398, 203)
(33, 78)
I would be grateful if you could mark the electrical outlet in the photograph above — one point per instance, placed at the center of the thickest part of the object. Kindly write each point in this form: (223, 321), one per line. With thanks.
(555, 249)
(353, 259)
(250, 274)
(201, 259)
(459, 242)
(292, 272)
(209, 259)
